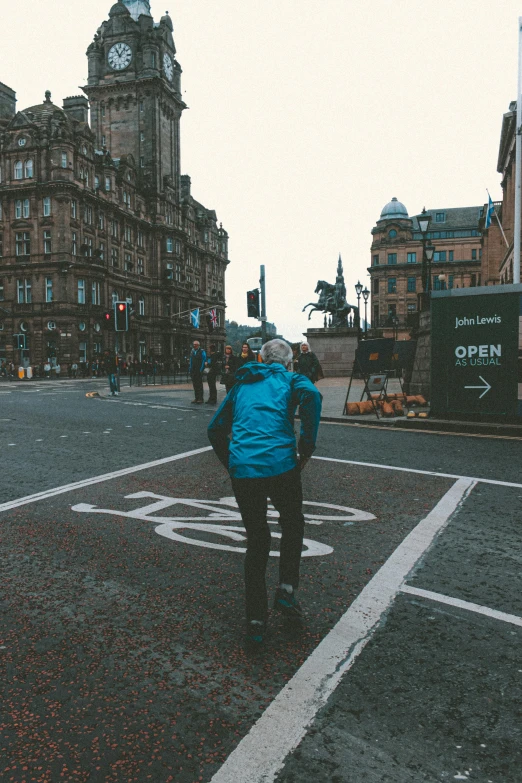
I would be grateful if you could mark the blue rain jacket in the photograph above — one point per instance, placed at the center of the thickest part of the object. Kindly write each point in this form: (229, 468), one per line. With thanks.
(258, 413)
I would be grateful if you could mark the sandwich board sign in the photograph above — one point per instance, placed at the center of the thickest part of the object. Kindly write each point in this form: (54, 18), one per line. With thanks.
(476, 352)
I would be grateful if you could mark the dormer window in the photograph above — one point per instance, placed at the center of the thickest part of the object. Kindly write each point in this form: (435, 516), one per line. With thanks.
(440, 217)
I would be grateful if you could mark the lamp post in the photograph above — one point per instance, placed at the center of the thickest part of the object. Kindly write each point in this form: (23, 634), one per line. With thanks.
(424, 221)
(358, 291)
(365, 295)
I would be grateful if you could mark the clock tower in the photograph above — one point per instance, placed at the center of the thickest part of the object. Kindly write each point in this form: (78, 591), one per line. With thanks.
(135, 95)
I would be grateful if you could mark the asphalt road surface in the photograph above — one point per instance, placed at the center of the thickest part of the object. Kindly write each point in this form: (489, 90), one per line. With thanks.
(122, 603)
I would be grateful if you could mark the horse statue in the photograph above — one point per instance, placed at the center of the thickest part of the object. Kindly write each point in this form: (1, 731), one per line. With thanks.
(326, 303)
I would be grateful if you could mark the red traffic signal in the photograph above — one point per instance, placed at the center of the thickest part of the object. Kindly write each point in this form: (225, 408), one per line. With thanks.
(121, 316)
(253, 309)
(107, 318)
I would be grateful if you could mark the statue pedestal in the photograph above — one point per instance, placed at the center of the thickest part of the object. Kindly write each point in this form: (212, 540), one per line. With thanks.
(335, 349)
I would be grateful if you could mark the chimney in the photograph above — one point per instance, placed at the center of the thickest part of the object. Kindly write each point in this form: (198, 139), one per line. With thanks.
(185, 186)
(77, 108)
(7, 103)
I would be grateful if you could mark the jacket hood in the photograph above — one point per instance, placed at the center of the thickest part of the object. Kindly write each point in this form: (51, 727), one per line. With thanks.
(253, 372)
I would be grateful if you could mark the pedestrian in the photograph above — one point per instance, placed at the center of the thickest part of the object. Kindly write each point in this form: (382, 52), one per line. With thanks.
(246, 355)
(196, 366)
(308, 364)
(228, 370)
(214, 368)
(110, 367)
(263, 462)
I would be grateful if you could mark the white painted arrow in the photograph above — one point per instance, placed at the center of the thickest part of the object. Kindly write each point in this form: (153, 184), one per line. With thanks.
(486, 387)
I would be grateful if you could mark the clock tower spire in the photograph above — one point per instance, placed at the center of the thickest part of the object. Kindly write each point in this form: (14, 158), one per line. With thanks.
(135, 94)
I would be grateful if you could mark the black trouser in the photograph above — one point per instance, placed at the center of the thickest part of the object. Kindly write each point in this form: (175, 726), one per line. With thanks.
(212, 391)
(197, 382)
(286, 494)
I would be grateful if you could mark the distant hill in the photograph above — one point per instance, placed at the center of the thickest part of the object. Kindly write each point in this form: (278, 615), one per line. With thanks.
(238, 333)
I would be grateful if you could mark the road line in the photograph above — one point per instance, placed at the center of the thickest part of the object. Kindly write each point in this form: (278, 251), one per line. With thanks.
(261, 753)
(49, 493)
(392, 428)
(421, 472)
(470, 607)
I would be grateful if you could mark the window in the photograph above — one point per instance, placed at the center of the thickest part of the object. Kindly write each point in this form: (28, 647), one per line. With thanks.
(82, 350)
(47, 242)
(18, 170)
(115, 297)
(392, 258)
(412, 284)
(26, 208)
(142, 162)
(438, 285)
(1, 290)
(392, 285)
(450, 281)
(103, 110)
(450, 253)
(23, 243)
(178, 273)
(141, 305)
(473, 255)
(96, 182)
(104, 141)
(392, 234)
(46, 206)
(101, 251)
(375, 286)
(169, 274)
(48, 289)
(74, 209)
(473, 280)
(140, 239)
(440, 217)
(411, 307)
(439, 255)
(18, 209)
(376, 315)
(87, 247)
(64, 160)
(114, 228)
(74, 248)
(412, 258)
(170, 245)
(115, 260)
(107, 183)
(95, 294)
(101, 220)
(23, 289)
(128, 234)
(128, 262)
(392, 311)
(140, 266)
(28, 168)
(22, 208)
(87, 214)
(177, 247)
(141, 106)
(81, 291)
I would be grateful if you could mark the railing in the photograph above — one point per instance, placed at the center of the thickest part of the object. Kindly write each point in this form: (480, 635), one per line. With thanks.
(156, 379)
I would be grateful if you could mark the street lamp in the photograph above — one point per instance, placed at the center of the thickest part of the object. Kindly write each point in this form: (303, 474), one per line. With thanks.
(365, 295)
(424, 222)
(358, 291)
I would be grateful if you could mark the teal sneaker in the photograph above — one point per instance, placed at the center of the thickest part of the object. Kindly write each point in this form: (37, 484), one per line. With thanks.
(255, 633)
(288, 604)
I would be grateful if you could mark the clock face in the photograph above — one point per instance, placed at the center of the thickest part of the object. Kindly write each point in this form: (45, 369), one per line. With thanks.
(119, 56)
(167, 67)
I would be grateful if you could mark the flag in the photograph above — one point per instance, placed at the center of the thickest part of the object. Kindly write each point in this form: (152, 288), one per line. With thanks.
(213, 318)
(194, 318)
(489, 212)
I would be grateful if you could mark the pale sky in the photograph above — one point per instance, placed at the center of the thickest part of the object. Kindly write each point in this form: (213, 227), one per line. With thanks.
(306, 117)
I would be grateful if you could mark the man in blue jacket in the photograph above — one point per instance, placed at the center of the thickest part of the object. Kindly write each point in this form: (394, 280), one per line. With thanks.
(197, 361)
(263, 462)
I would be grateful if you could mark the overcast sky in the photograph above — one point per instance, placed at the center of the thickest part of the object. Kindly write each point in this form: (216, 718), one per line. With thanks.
(306, 117)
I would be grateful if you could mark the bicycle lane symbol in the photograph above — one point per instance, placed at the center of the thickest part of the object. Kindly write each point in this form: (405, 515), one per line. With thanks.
(222, 511)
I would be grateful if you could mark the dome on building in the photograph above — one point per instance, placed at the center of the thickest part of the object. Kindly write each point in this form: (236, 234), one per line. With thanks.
(138, 7)
(118, 9)
(394, 209)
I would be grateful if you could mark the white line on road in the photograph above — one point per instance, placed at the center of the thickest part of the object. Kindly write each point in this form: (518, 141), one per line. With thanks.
(262, 752)
(470, 607)
(49, 493)
(420, 472)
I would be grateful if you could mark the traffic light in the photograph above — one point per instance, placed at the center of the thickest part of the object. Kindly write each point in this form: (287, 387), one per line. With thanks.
(108, 318)
(253, 309)
(121, 316)
(19, 341)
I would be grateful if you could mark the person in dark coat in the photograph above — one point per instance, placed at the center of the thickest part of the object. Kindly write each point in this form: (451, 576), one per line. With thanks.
(246, 355)
(228, 369)
(214, 360)
(308, 364)
(196, 366)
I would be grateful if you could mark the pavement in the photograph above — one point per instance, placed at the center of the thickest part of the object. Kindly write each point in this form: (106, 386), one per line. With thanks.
(121, 602)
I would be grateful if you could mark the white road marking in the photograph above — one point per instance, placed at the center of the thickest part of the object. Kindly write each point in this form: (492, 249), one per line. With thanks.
(419, 431)
(420, 472)
(49, 493)
(261, 753)
(11, 444)
(470, 607)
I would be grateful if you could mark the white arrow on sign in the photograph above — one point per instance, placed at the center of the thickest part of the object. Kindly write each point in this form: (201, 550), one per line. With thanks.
(486, 387)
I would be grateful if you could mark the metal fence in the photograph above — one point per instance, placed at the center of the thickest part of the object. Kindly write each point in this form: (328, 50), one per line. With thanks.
(155, 379)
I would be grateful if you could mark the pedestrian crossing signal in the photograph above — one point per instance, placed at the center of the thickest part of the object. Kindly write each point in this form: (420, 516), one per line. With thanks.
(121, 316)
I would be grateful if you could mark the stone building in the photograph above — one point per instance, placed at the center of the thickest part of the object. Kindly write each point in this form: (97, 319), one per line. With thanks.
(396, 261)
(91, 213)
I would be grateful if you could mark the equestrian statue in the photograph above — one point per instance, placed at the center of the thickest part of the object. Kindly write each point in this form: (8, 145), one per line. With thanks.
(332, 299)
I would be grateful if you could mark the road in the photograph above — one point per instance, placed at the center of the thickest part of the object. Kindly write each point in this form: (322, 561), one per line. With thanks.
(123, 609)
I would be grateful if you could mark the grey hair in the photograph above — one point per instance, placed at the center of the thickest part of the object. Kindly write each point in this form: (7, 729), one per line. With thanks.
(305, 343)
(277, 352)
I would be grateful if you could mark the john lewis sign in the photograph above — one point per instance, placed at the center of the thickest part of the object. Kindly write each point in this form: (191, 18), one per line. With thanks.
(476, 352)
